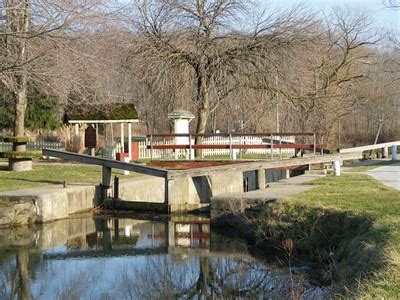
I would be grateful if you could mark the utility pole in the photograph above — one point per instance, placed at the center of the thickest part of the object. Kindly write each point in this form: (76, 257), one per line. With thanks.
(277, 105)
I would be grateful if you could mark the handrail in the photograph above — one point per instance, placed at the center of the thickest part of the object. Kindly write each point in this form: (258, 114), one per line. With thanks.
(267, 134)
(369, 147)
(108, 163)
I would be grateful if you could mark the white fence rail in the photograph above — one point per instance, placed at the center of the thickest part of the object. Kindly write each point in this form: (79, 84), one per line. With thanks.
(145, 153)
(33, 146)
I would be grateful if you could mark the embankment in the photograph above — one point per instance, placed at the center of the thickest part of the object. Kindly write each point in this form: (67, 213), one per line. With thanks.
(349, 224)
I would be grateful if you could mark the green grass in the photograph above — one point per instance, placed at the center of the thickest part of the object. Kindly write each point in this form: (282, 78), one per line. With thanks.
(352, 224)
(43, 175)
(373, 166)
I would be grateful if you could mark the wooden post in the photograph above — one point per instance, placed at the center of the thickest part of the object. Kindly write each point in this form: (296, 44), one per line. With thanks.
(230, 147)
(116, 187)
(190, 147)
(261, 179)
(96, 126)
(315, 143)
(106, 182)
(241, 150)
(385, 152)
(151, 147)
(272, 147)
(130, 141)
(122, 138)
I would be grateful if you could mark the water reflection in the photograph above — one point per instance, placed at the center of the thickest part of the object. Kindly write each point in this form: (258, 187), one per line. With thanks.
(88, 258)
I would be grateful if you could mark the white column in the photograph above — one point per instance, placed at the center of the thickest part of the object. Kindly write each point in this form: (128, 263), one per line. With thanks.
(130, 141)
(181, 126)
(122, 138)
(336, 167)
(394, 152)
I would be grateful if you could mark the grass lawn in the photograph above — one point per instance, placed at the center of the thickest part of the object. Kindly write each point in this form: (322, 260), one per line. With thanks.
(357, 220)
(48, 174)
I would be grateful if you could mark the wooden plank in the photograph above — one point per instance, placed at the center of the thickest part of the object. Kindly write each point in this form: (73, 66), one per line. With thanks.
(263, 164)
(369, 147)
(86, 159)
(103, 121)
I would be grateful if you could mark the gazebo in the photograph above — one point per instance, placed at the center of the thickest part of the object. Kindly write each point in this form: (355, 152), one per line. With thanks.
(92, 132)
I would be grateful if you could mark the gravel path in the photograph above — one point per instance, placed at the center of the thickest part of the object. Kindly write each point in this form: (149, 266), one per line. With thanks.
(388, 175)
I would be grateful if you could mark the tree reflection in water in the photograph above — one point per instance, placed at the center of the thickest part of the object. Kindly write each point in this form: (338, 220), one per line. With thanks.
(153, 261)
(20, 285)
(202, 277)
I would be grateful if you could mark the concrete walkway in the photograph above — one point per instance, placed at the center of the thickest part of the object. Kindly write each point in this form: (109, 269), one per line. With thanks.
(388, 175)
(275, 190)
(229, 203)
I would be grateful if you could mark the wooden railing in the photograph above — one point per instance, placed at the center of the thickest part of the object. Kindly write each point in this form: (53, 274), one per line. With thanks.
(232, 144)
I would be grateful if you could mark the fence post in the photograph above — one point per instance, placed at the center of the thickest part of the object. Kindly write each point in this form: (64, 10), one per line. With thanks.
(151, 147)
(315, 143)
(272, 147)
(280, 148)
(241, 149)
(190, 148)
(230, 147)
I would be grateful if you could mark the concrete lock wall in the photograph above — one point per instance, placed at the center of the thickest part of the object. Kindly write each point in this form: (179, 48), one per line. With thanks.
(46, 204)
(141, 193)
(184, 194)
(188, 193)
(144, 188)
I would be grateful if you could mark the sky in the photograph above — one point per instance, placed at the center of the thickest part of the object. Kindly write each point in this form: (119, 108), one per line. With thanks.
(383, 17)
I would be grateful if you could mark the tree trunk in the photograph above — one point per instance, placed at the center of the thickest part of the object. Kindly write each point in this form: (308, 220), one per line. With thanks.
(19, 22)
(20, 106)
(202, 116)
(203, 101)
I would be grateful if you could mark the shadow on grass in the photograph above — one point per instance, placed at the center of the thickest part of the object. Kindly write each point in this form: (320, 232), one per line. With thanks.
(350, 246)
(33, 180)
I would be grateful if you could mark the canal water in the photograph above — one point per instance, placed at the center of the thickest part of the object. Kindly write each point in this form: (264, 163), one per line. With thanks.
(125, 258)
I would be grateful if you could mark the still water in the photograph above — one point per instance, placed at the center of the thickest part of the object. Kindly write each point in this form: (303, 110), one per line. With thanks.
(125, 258)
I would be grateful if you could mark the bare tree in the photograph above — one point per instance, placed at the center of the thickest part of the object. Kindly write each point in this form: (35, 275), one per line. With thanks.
(210, 43)
(330, 70)
(31, 31)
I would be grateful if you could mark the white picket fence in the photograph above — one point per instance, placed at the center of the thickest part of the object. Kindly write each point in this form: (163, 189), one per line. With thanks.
(145, 153)
(33, 146)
